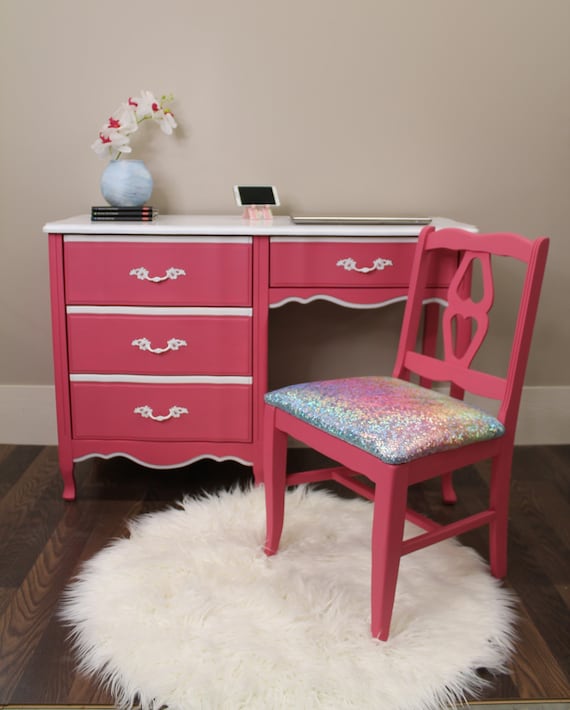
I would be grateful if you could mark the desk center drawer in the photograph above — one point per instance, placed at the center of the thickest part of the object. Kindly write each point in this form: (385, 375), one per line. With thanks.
(170, 341)
(349, 263)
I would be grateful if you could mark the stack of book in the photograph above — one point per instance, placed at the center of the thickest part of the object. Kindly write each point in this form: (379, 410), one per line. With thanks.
(107, 213)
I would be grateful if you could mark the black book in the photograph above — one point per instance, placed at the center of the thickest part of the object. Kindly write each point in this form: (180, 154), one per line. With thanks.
(123, 218)
(109, 209)
(123, 213)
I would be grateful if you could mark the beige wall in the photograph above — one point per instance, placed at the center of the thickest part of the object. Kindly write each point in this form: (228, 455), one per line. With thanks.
(447, 107)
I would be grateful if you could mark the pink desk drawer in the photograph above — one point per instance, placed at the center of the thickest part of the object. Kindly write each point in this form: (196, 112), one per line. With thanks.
(342, 263)
(117, 273)
(159, 345)
(175, 412)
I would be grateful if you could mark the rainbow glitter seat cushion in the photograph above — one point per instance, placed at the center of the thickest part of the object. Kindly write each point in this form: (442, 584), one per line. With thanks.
(396, 421)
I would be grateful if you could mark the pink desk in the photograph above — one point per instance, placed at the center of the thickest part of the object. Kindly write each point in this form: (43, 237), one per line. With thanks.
(160, 329)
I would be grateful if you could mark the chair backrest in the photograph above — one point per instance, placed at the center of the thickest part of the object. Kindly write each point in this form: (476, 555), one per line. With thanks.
(465, 320)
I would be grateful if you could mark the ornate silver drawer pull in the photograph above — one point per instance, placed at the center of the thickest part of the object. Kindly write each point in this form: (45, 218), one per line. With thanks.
(172, 344)
(146, 413)
(377, 265)
(143, 274)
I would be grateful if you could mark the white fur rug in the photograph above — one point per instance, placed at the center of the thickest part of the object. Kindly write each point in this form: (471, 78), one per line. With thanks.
(188, 612)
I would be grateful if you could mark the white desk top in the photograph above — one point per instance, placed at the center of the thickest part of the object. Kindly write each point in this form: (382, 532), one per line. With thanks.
(234, 225)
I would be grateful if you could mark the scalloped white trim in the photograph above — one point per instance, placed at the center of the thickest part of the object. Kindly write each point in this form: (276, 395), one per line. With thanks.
(348, 304)
(219, 459)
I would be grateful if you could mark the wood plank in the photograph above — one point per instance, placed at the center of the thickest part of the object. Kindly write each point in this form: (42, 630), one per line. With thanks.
(15, 460)
(535, 671)
(29, 511)
(27, 615)
(5, 596)
(5, 450)
(56, 673)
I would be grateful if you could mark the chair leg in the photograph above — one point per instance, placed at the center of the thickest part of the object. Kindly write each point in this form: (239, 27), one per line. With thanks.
(274, 476)
(499, 502)
(447, 491)
(387, 534)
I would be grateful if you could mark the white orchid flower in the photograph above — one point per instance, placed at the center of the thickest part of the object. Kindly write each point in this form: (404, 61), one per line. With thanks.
(167, 123)
(111, 142)
(143, 106)
(114, 138)
(127, 120)
(102, 149)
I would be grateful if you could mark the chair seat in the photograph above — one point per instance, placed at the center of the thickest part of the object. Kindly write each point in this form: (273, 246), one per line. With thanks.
(395, 420)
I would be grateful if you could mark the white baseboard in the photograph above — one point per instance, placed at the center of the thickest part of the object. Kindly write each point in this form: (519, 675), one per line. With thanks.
(27, 415)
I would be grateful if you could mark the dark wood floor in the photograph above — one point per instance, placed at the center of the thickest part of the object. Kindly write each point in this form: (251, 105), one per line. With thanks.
(43, 540)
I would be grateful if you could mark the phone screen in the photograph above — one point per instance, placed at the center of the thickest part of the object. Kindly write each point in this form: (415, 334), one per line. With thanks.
(262, 195)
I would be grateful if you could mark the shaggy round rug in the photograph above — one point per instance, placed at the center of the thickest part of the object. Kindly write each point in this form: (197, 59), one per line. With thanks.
(188, 612)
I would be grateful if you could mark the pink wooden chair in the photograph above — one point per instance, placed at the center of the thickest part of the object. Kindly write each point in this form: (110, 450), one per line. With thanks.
(397, 431)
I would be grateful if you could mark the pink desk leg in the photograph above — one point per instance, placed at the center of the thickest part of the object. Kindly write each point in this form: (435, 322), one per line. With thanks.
(61, 373)
(66, 470)
(260, 341)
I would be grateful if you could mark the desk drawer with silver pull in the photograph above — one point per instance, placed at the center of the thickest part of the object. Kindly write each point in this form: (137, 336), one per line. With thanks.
(160, 341)
(341, 262)
(176, 411)
(209, 273)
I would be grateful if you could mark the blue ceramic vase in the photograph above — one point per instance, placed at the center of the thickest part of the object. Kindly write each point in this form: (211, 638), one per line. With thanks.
(126, 183)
